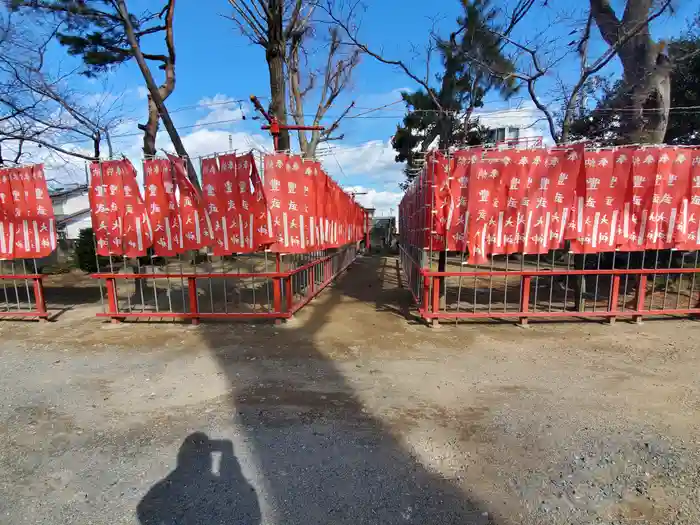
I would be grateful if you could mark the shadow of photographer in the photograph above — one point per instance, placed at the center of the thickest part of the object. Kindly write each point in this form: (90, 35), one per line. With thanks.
(206, 486)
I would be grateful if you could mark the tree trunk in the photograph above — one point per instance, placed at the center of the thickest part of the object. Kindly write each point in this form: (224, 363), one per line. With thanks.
(275, 64)
(156, 96)
(646, 69)
(650, 101)
(150, 129)
(96, 145)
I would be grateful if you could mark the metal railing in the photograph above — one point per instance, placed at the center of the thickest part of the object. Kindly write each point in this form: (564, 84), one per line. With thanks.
(254, 286)
(560, 284)
(22, 291)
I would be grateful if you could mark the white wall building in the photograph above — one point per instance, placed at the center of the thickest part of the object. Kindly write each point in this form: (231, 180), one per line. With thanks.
(522, 123)
(72, 210)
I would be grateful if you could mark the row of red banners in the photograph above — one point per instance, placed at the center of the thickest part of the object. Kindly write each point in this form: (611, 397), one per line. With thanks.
(27, 225)
(532, 201)
(296, 209)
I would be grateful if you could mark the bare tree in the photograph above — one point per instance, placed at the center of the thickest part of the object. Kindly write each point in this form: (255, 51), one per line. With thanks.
(38, 106)
(272, 24)
(106, 33)
(646, 73)
(335, 75)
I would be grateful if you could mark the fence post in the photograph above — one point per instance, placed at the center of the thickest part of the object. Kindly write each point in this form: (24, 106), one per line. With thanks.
(288, 293)
(426, 293)
(39, 298)
(276, 295)
(525, 299)
(309, 281)
(111, 285)
(614, 297)
(192, 292)
(436, 299)
(641, 295)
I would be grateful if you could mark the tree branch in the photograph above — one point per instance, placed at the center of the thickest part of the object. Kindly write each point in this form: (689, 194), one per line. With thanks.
(390, 62)
(50, 146)
(252, 20)
(606, 20)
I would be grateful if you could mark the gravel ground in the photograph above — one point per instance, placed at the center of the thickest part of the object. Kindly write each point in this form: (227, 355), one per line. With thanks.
(350, 413)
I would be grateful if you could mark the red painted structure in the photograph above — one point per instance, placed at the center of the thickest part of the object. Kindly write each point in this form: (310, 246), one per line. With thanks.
(291, 290)
(629, 248)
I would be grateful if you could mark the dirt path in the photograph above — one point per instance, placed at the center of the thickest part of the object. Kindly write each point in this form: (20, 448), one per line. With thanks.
(350, 413)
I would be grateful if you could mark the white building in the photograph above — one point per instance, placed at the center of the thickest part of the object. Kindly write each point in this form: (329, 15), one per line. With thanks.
(522, 124)
(71, 206)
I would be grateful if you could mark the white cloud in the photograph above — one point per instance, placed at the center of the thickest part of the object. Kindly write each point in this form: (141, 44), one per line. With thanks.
(142, 92)
(384, 202)
(374, 160)
(207, 141)
(222, 111)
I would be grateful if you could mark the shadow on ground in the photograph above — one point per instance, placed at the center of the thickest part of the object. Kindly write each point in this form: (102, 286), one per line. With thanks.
(207, 486)
(323, 456)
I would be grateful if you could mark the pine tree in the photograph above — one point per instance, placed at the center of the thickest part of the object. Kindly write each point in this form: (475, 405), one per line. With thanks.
(472, 65)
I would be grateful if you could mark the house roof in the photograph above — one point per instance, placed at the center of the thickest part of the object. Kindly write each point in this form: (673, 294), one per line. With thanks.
(65, 219)
(67, 192)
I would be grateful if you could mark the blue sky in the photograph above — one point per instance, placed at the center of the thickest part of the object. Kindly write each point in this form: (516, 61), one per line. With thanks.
(216, 64)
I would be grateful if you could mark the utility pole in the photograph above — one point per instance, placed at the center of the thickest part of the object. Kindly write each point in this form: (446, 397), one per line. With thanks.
(273, 125)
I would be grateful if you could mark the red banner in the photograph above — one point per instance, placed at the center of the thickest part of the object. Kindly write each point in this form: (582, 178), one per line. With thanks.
(456, 217)
(690, 207)
(669, 201)
(485, 222)
(636, 222)
(601, 214)
(119, 217)
(628, 198)
(162, 207)
(257, 227)
(196, 229)
(27, 225)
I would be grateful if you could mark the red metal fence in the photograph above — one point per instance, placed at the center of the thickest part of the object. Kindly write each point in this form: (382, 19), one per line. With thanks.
(22, 290)
(554, 233)
(27, 233)
(255, 286)
(260, 240)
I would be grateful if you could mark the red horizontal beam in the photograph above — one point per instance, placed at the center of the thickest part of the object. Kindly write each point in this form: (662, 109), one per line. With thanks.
(564, 271)
(269, 275)
(22, 276)
(294, 127)
(311, 264)
(196, 315)
(529, 314)
(25, 313)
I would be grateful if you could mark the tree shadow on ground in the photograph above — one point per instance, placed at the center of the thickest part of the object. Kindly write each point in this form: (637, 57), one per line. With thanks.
(323, 456)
